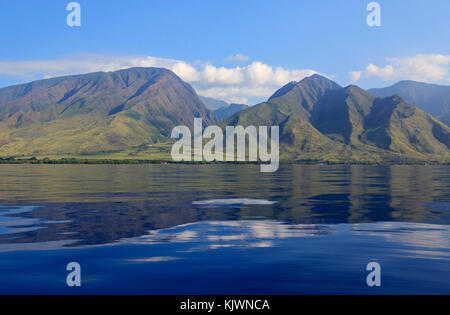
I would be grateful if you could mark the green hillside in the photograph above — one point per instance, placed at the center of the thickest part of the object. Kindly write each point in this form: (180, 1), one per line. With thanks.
(323, 122)
(432, 98)
(96, 112)
(130, 114)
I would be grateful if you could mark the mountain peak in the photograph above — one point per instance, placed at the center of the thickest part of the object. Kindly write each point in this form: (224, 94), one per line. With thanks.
(352, 88)
(144, 70)
(315, 84)
(104, 111)
(319, 81)
(355, 90)
(317, 78)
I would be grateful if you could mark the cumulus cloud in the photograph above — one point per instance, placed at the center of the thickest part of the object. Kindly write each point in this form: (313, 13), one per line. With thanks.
(237, 85)
(232, 84)
(356, 75)
(420, 68)
(238, 58)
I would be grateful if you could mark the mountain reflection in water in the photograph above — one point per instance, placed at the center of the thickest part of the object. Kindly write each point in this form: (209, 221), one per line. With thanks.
(333, 218)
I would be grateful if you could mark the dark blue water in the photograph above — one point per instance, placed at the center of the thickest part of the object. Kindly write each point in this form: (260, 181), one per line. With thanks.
(224, 229)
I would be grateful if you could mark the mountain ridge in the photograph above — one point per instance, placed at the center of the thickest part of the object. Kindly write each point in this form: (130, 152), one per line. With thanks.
(228, 111)
(102, 111)
(114, 111)
(432, 98)
(213, 104)
(322, 121)
(221, 109)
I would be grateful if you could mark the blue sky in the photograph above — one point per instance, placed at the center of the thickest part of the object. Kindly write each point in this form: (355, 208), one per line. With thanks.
(275, 41)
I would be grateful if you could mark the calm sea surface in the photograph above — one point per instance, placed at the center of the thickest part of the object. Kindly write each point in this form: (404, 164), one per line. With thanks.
(224, 229)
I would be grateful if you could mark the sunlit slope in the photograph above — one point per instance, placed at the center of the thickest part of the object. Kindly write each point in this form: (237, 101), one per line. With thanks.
(96, 112)
(321, 121)
(126, 111)
(432, 98)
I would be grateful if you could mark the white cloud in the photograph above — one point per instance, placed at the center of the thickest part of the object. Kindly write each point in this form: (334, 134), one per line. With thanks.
(238, 58)
(238, 100)
(356, 75)
(236, 94)
(185, 71)
(420, 68)
(232, 84)
(387, 72)
(222, 75)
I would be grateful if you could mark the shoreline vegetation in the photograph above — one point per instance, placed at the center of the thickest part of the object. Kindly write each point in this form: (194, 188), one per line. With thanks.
(100, 161)
(160, 154)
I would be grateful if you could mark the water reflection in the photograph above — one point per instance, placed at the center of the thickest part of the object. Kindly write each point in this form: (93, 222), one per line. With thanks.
(225, 228)
(420, 240)
(92, 205)
(239, 233)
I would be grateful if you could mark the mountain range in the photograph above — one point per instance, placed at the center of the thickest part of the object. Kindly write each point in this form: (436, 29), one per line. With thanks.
(213, 104)
(322, 121)
(221, 109)
(432, 98)
(319, 120)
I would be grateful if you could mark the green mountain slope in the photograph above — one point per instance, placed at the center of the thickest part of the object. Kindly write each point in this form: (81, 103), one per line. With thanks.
(96, 112)
(433, 99)
(301, 97)
(117, 111)
(321, 121)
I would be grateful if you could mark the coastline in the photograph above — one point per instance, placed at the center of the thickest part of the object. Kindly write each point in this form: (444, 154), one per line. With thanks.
(95, 161)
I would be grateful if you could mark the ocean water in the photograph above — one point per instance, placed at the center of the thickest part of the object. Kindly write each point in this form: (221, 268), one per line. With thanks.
(224, 229)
